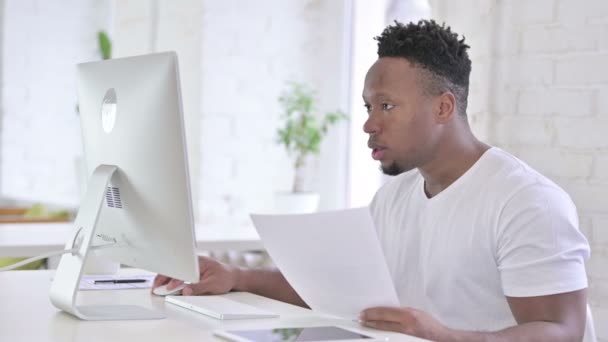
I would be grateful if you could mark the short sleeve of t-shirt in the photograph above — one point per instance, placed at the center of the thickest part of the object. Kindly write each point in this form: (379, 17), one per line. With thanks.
(540, 250)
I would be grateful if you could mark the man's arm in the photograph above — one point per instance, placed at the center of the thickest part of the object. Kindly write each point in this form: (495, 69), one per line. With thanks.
(559, 317)
(219, 278)
(267, 283)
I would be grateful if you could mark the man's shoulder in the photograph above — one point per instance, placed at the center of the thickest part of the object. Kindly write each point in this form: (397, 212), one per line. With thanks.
(515, 180)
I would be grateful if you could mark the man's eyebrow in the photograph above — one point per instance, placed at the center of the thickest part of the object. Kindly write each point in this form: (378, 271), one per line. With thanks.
(378, 94)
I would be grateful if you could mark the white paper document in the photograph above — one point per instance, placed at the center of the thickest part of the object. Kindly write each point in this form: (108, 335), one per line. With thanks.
(332, 259)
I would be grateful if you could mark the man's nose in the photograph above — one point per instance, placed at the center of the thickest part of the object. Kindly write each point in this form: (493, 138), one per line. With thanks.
(372, 124)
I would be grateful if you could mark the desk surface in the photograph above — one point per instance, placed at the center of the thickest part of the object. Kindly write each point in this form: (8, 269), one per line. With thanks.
(30, 239)
(26, 314)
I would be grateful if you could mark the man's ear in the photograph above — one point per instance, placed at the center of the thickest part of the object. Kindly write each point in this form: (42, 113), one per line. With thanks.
(446, 107)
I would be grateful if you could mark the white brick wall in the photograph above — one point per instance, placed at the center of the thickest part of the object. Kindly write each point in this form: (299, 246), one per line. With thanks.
(40, 141)
(600, 170)
(602, 106)
(543, 67)
(562, 102)
(584, 69)
(235, 58)
(601, 315)
(141, 27)
(523, 71)
(542, 39)
(250, 50)
(535, 131)
(590, 198)
(575, 12)
(368, 20)
(532, 12)
(587, 133)
(600, 236)
(556, 163)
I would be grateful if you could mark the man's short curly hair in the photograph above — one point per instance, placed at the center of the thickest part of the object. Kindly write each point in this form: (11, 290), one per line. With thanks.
(435, 49)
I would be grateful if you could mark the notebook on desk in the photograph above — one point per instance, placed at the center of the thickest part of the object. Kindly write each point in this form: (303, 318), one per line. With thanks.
(219, 307)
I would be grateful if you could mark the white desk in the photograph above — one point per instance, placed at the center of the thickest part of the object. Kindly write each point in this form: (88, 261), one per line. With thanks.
(26, 314)
(24, 240)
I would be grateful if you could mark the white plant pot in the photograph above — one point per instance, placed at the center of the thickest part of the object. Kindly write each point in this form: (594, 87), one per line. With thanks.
(296, 202)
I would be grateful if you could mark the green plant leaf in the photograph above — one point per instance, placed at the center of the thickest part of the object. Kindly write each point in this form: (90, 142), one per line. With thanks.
(303, 129)
(36, 211)
(105, 45)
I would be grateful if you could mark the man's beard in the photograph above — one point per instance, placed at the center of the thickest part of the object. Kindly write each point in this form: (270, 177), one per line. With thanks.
(392, 170)
(395, 169)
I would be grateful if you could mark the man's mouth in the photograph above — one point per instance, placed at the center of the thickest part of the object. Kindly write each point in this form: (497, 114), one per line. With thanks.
(378, 153)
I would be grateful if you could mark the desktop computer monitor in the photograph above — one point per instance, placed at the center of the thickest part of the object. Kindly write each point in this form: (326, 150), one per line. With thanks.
(138, 200)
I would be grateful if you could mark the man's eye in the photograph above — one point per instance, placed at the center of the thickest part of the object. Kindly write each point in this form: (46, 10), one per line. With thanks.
(386, 106)
(368, 108)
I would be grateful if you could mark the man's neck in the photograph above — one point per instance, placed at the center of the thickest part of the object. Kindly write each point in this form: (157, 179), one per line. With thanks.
(451, 161)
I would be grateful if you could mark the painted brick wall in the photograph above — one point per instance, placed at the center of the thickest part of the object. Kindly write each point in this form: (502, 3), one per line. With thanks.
(539, 89)
(250, 50)
(40, 140)
(141, 27)
(235, 58)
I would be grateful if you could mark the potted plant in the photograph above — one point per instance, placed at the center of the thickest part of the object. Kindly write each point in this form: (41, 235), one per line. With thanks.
(301, 134)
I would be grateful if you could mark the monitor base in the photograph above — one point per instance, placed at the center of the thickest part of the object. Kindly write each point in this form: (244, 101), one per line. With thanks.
(66, 281)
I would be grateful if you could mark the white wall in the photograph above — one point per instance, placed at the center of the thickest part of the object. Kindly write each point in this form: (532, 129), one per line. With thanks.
(250, 50)
(538, 89)
(40, 140)
(235, 59)
(369, 20)
(1, 84)
(364, 174)
(147, 26)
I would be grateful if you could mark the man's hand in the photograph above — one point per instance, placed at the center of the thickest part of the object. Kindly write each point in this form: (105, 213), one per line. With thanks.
(218, 278)
(558, 317)
(404, 320)
(215, 278)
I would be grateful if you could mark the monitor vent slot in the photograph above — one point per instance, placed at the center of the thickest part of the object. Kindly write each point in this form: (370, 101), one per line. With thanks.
(113, 197)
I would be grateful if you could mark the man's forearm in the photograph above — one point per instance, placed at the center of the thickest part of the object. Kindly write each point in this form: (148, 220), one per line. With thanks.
(532, 331)
(267, 283)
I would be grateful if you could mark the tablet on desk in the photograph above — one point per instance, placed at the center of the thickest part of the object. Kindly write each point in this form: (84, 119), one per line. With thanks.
(317, 334)
(219, 307)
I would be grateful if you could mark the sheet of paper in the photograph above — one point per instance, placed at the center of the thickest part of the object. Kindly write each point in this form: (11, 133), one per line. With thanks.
(88, 282)
(332, 259)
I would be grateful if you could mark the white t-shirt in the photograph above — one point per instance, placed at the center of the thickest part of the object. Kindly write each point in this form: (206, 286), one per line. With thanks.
(501, 229)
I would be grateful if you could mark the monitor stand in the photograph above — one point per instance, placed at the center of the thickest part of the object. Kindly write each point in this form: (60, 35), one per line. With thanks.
(66, 282)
